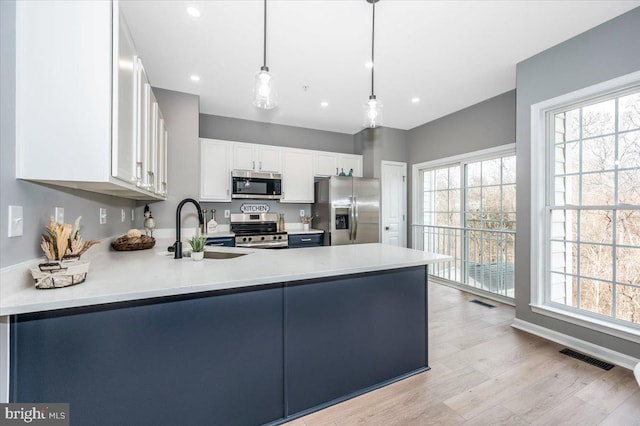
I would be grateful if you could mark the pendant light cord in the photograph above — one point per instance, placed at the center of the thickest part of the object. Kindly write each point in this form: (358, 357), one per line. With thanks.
(264, 36)
(373, 35)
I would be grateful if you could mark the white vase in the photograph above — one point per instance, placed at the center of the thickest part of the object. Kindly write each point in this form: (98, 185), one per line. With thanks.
(197, 255)
(305, 226)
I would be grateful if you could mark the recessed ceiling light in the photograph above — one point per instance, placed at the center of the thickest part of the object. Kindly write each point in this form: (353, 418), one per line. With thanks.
(195, 78)
(192, 11)
(415, 100)
(368, 65)
(324, 104)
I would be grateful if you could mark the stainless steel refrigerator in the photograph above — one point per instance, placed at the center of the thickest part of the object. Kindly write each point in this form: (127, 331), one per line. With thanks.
(347, 209)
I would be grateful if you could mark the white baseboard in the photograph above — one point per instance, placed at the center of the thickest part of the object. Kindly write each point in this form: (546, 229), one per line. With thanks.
(588, 348)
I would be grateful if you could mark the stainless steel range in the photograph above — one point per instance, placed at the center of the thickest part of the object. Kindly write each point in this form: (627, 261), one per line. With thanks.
(258, 230)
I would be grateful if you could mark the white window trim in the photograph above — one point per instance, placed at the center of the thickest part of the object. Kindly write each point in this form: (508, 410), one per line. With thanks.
(539, 223)
(416, 185)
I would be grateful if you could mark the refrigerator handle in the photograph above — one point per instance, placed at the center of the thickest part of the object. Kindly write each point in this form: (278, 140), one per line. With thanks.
(352, 221)
(355, 217)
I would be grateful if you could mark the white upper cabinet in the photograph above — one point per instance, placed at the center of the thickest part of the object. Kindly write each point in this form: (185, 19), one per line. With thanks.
(78, 99)
(215, 170)
(256, 157)
(325, 164)
(297, 176)
(125, 77)
(349, 162)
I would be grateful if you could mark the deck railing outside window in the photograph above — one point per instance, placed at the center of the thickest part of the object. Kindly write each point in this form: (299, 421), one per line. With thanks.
(483, 258)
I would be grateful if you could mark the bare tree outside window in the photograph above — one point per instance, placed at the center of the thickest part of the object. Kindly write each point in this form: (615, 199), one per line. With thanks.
(595, 208)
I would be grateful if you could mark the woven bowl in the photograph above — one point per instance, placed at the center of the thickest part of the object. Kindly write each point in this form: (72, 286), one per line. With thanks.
(125, 243)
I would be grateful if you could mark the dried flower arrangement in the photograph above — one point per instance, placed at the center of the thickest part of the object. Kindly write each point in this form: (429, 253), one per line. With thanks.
(62, 240)
(306, 219)
(60, 243)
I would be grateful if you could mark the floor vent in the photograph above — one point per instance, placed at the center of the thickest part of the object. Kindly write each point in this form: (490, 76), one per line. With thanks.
(587, 359)
(480, 302)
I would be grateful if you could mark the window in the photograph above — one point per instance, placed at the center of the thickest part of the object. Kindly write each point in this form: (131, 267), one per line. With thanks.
(468, 211)
(590, 268)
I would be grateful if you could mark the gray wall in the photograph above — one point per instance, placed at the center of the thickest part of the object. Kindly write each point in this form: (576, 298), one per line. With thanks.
(605, 52)
(38, 201)
(234, 129)
(484, 125)
(180, 111)
(380, 144)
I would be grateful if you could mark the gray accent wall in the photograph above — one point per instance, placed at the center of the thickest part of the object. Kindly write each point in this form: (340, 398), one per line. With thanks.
(380, 144)
(38, 201)
(235, 129)
(180, 111)
(600, 54)
(487, 124)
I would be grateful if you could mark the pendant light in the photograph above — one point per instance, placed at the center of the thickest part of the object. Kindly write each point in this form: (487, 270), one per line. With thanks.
(372, 109)
(264, 91)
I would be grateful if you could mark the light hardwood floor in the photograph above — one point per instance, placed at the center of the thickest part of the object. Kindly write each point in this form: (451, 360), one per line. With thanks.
(484, 372)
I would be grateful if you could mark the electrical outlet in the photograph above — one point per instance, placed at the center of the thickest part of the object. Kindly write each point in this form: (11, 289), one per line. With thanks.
(103, 216)
(15, 221)
(123, 215)
(133, 215)
(301, 213)
(227, 214)
(59, 214)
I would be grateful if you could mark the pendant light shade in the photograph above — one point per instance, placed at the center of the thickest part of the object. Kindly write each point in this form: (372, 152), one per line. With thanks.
(264, 91)
(372, 109)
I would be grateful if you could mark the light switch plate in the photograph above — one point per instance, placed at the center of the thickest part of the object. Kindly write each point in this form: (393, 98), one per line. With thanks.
(123, 215)
(301, 213)
(227, 214)
(103, 216)
(59, 214)
(15, 221)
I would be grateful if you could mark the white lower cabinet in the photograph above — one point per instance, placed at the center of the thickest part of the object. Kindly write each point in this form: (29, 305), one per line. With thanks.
(215, 170)
(297, 176)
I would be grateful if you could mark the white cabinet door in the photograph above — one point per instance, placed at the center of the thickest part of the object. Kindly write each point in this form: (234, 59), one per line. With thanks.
(325, 164)
(351, 161)
(152, 152)
(143, 117)
(161, 157)
(297, 176)
(124, 99)
(244, 156)
(215, 171)
(269, 159)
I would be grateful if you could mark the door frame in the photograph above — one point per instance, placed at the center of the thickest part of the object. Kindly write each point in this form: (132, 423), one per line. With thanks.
(405, 194)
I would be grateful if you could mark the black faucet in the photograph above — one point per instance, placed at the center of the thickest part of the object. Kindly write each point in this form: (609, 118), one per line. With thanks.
(178, 244)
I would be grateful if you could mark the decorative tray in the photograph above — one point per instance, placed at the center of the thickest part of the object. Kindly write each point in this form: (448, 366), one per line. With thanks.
(125, 243)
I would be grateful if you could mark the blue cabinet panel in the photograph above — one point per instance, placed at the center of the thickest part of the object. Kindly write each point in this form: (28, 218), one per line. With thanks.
(351, 333)
(213, 360)
(221, 241)
(305, 240)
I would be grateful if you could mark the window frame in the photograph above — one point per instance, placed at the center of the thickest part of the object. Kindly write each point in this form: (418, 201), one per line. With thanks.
(542, 178)
(461, 161)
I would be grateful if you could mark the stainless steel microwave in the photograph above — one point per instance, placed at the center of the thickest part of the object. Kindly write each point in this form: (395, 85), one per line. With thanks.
(259, 185)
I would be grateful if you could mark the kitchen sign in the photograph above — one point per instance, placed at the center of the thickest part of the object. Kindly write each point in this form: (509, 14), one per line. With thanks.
(254, 208)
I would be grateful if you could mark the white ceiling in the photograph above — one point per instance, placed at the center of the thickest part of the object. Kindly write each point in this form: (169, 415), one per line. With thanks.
(450, 54)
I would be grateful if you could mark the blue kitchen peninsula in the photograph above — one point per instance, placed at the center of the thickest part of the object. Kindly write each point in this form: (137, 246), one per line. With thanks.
(258, 339)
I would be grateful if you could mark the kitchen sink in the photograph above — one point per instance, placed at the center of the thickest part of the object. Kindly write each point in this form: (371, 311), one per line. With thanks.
(222, 255)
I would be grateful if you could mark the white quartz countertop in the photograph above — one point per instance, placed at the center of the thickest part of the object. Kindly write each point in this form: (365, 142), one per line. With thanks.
(125, 276)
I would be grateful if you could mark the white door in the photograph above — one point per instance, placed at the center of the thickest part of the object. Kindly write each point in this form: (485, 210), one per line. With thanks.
(394, 203)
